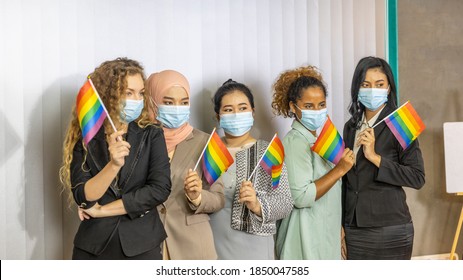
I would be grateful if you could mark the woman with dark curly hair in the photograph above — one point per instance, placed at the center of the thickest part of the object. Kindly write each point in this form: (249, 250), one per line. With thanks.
(120, 177)
(313, 230)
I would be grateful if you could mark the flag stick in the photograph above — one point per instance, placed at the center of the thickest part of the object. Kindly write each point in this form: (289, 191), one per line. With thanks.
(390, 114)
(202, 153)
(257, 165)
(102, 104)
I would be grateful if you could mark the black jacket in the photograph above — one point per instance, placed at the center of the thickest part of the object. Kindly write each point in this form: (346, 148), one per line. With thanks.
(143, 183)
(375, 195)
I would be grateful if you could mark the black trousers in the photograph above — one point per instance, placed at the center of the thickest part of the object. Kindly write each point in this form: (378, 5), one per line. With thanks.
(114, 252)
(380, 243)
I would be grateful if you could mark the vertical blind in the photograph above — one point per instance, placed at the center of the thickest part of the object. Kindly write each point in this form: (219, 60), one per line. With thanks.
(48, 47)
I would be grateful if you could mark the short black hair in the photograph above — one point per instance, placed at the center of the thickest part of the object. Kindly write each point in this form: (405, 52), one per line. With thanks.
(228, 87)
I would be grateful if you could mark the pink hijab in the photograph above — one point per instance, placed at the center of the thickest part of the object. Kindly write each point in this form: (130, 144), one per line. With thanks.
(157, 86)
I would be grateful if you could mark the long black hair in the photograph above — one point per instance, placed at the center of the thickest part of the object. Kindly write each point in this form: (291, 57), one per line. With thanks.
(356, 109)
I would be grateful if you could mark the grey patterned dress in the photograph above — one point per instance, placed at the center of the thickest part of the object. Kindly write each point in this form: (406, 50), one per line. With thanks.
(239, 234)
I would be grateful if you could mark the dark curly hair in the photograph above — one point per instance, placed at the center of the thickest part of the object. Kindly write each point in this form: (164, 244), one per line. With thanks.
(289, 85)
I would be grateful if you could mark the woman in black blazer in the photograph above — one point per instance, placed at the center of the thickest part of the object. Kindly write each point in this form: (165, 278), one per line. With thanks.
(377, 222)
(118, 178)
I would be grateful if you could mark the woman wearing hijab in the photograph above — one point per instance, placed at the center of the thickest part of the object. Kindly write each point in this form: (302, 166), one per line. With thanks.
(185, 213)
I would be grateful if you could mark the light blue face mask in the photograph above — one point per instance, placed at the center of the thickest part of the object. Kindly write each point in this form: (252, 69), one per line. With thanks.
(313, 119)
(373, 98)
(236, 124)
(173, 116)
(132, 110)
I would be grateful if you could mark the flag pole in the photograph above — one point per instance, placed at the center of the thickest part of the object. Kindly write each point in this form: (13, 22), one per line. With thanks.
(257, 165)
(202, 153)
(102, 104)
(390, 114)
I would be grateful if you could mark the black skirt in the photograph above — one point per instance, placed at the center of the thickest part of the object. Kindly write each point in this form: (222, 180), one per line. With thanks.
(379, 243)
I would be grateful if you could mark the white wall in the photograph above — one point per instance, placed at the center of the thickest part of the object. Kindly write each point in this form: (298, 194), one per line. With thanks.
(48, 47)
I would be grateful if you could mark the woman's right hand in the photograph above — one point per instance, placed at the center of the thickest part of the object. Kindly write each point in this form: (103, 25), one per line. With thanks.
(193, 185)
(118, 148)
(347, 160)
(82, 215)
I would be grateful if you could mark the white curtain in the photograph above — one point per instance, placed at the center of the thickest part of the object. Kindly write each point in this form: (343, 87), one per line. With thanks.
(48, 47)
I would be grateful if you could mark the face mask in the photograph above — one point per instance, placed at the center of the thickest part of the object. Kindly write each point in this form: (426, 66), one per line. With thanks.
(313, 119)
(236, 124)
(173, 116)
(132, 110)
(372, 98)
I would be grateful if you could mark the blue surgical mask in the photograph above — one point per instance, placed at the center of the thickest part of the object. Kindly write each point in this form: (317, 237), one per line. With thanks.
(313, 119)
(132, 110)
(373, 98)
(173, 116)
(236, 124)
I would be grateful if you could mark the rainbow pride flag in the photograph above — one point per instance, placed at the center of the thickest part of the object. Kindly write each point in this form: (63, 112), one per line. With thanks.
(405, 124)
(329, 144)
(272, 160)
(90, 111)
(276, 174)
(216, 158)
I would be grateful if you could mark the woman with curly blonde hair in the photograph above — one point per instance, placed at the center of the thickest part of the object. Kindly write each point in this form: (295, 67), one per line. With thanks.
(313, 229)
(118, 178)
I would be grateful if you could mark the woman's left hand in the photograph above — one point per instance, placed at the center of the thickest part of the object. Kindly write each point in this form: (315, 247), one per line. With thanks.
(249, 197)
(366, 138)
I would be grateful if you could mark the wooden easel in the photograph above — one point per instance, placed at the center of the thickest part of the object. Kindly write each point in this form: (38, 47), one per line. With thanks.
(457, 233)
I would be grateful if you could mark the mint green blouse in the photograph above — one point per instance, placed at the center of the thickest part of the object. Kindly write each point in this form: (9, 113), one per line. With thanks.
(313, 229)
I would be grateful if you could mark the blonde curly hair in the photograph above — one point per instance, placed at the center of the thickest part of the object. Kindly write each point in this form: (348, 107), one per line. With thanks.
(110, 80)
(289, 85)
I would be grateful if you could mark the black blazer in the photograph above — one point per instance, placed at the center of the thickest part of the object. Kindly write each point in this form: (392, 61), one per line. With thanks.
(375, 195)
(143, 183)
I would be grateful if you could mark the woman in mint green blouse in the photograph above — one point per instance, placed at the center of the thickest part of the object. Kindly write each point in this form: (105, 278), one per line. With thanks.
(313, 229)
